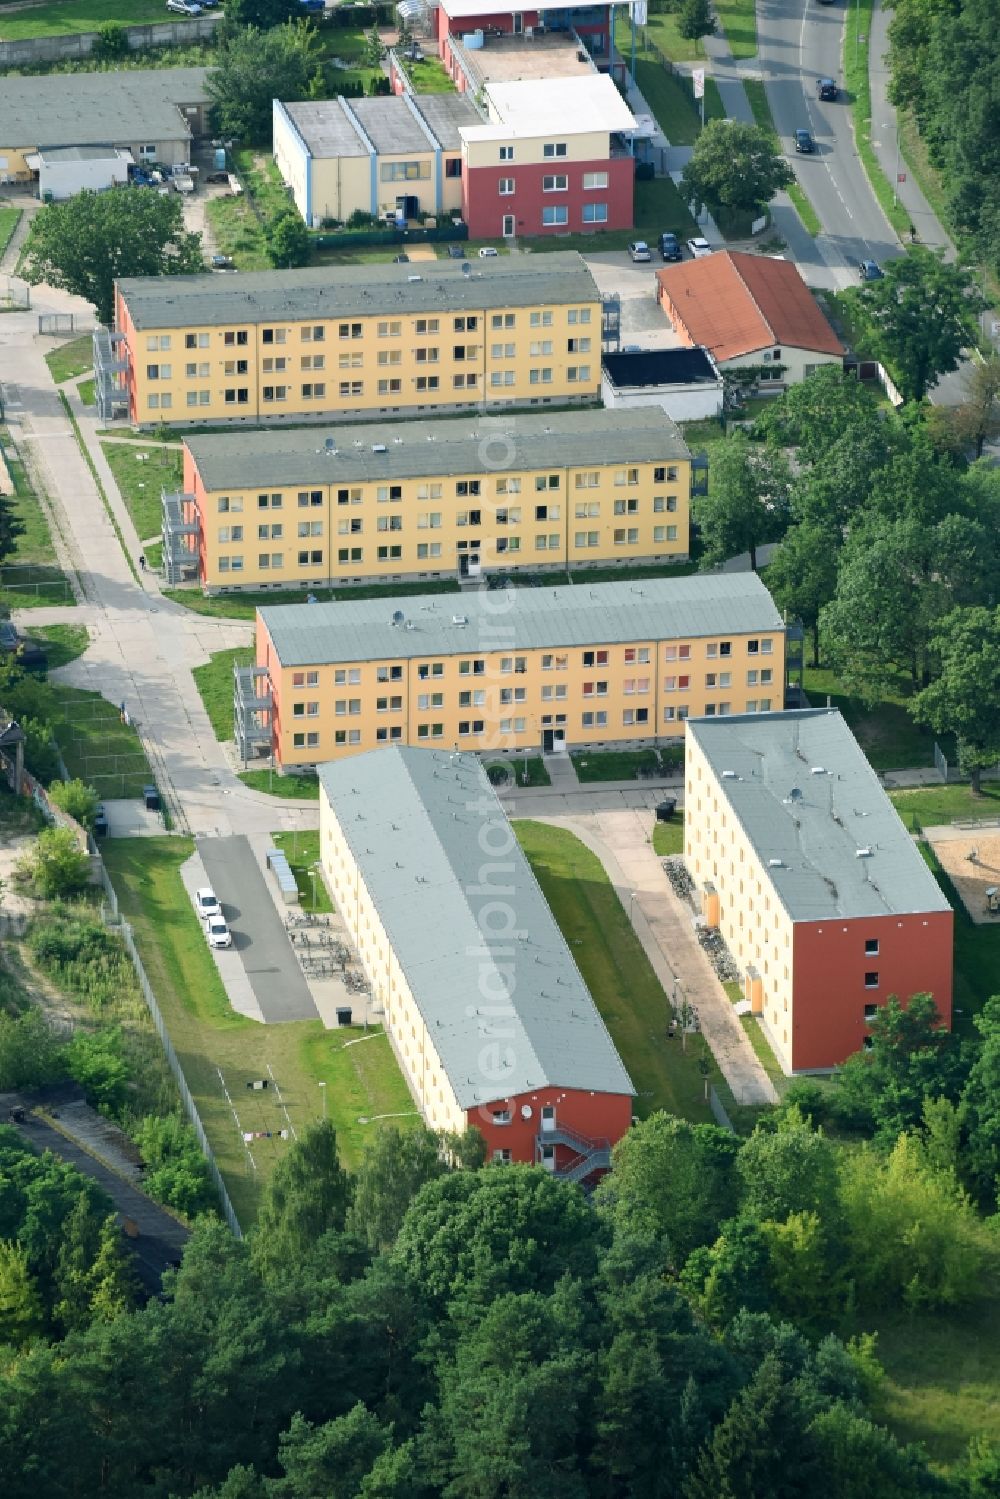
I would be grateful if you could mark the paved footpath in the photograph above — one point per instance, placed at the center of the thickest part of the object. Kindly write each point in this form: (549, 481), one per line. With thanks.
(143, 645)
(663, 924)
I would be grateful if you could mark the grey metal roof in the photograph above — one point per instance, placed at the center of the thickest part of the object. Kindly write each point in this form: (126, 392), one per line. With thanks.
(414, 820)
(93, 109)
(326, 128)
(55, 154)
(805, 794)
(446, 114)
(584, 614)
(558, 279)
(390, 126)
(416, 449)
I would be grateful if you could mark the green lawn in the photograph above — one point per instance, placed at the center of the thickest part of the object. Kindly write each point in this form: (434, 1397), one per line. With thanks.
(617, 972)
(943, 1375)
(929, 806)
(430, 77)
(9, 220)
(245, 605)
(349, 43)
(71, 359)
(738, 19)
(661, 32)
(668, 837)
(238, 233)
(67, 17)
(623, 765)
(293, 787)
(214, 681)
(670, 98)
(141, 473)
(87, 392)
(30, 579)
(96, 745)
(63, 643)
(208, 1036)
(302, 852)
(886, 733)
(977, 955)
(530, 772)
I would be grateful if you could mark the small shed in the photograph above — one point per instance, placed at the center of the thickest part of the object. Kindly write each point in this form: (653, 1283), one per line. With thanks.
(64, 171)
(686, 383)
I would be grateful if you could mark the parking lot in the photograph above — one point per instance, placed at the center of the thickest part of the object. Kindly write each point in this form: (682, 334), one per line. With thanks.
(260, 942)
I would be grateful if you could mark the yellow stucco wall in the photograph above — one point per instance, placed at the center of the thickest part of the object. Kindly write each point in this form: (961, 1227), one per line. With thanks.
(638, 693)
(756, 927)
(420, 528)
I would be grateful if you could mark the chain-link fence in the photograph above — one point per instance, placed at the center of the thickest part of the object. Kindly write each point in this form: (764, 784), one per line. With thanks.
(46, 585)
(113, 917)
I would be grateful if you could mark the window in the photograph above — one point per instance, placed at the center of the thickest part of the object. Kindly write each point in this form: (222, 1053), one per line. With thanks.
(554, 148)
(390, 330)
(871, 979)
(870, 1012)
(158, 341)
(556, 184)
(506, 153)
(405, 171)
(595, 658)
(390, 387)
(453, 166)
(626, 537)
(196, 340)
(663, 503)
(578, 315)
(871, 947)
(662, 475)
(313, 392)
(664, 533)
(541, 376)
(502, 320)
(506, 186)
(390, 356)
(635, 716)
(540, 346)
(239, 337)
(199, 398)
(313, 334)
(198, 371)
(348, 330)
(578, 345)
(556, 213)
(546, 481)
(275, 392)
(596, 720)
(423, 355)
(273, 335)
(426, 325)
(466, 324)
(161, 403)
(237, 397)
(158, 371)
(428, 382)
(541, 319)
(594, 179)
(595, 213)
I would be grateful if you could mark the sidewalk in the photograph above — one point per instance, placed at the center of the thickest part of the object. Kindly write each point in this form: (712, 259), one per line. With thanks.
(663, 926)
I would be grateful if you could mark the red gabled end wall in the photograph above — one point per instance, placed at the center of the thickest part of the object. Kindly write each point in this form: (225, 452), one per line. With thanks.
(827, 1020)
(596, 1116)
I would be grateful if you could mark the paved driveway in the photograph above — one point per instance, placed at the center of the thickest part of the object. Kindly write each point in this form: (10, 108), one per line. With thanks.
(259, 937)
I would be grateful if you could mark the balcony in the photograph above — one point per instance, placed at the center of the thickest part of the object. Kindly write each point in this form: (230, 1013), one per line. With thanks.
(699, 474)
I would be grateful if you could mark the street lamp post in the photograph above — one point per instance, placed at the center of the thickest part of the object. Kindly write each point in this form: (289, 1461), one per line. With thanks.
(323, 1090)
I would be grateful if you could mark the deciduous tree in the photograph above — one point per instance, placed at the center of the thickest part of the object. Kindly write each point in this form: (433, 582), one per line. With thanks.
(918, 318)
(964, 700)
(734, 166)
(979, 1110)
(255, 67)
(261, 14)
(395, 1165)
(288, 242)
(802, 575)
(55, 864)
(747, 503)
(695, 19)
(85, 243)
(77, 798)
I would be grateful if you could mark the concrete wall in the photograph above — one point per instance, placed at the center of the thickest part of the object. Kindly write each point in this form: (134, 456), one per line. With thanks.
(38, 49)
(685, 403)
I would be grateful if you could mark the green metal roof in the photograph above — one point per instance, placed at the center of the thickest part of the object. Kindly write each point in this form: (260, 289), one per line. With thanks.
(457, 445)
(506, 1014)
(441, 286)
(805, 795)
(585, 614)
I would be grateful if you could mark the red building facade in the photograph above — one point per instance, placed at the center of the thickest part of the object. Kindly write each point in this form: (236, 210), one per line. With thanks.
(598, 195)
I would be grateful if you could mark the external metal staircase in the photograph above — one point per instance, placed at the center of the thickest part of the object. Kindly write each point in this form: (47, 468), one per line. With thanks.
(590, 1155)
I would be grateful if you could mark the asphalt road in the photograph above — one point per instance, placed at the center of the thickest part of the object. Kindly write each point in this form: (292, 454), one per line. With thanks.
(800, 41)
(259, 937)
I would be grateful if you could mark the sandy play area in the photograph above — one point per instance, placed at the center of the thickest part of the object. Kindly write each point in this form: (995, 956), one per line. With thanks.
(971, 858)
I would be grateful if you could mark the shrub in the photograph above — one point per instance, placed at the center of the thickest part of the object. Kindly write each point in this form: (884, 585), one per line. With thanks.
(55, 865)
(178, 1172)
(112, 42)
(30, 1056)
(76, 799)
(94, 1060)
(76, 950)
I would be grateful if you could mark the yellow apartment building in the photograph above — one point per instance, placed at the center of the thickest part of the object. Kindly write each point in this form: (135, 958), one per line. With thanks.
(600, 666)
(409, 843)
(359, 341)
(456, 498)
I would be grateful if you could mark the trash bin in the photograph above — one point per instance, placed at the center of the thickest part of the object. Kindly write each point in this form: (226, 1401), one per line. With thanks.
(665, 809)
(151, 797)
(343, 1015)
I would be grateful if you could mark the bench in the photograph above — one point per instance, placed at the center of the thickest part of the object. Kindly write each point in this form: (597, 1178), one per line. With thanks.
(279, 867)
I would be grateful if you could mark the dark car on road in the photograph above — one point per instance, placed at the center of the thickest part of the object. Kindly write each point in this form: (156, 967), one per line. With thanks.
(826, 88)
(804, 142)
(870, 270)
(670, 246)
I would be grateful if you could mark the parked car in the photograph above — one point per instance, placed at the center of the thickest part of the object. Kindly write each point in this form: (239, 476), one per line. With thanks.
(30, 655)
(217, 932)
(804, 142)
(222, 262)
(217, 178)
(207, 902)
(401, 260)
(699, 247)
(456, 252)
(639, 250)
(870, 270)
(184, 7)
(100, 822)
(313, 7)
(487, 252)
(826, 88)
(670, 247)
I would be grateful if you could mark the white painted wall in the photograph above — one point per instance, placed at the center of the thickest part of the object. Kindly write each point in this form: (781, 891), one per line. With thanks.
(684, 403)
(64, 179)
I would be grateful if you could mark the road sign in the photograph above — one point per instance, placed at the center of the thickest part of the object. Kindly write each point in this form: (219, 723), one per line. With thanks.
(698, 79)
